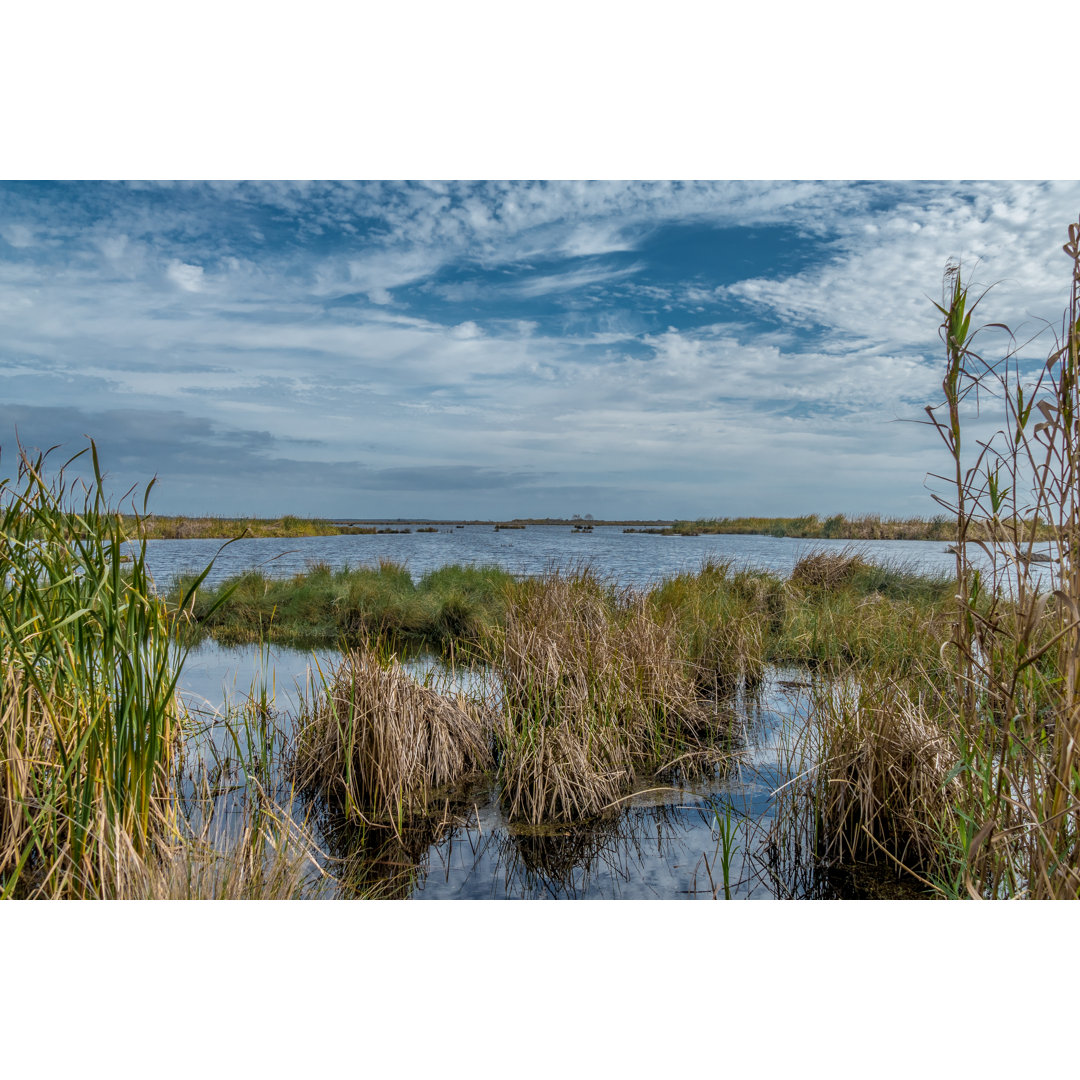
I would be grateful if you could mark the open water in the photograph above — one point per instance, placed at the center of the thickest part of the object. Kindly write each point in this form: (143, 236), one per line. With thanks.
(629, 558)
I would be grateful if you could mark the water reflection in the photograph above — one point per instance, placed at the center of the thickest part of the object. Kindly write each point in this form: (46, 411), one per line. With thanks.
(718, 830)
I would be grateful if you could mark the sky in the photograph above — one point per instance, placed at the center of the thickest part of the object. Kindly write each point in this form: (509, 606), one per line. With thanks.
(507, 349)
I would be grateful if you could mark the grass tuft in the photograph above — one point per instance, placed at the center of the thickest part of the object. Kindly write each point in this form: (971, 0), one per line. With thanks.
(594, 693)
(379, 745)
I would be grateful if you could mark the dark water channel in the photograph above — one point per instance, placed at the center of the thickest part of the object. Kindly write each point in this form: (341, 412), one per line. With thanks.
(665, 842)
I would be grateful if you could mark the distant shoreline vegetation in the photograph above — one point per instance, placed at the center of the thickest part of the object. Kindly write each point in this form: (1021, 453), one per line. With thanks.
(175, 527)
(814, 527)
(207, 527)
(807, 527)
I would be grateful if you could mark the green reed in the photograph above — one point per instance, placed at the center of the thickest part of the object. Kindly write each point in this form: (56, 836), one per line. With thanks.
(89, 662)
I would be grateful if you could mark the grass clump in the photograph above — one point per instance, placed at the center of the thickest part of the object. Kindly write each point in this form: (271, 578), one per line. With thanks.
(452, 606)
(378, 744)
(840, 610)
(723, 620)
(595, 693)
(886, 785)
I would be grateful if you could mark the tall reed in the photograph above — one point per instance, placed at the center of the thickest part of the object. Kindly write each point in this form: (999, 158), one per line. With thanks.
(1016, 635)
(973, 780)
(89, 721)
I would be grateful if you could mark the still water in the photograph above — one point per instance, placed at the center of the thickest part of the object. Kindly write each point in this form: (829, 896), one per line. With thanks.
(664, 843)
(629, 558)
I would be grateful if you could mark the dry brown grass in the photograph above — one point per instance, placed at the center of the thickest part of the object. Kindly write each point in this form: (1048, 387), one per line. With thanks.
(826, 569)
(378, 743)
(55, 841)
(595, 692)
(264, 855)
(886, 782)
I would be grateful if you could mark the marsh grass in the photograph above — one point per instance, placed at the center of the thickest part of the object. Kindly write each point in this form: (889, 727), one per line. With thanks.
(729, 622)
(452, 606)
(380, 745)
(886, 784)
(88, 723)
(102, 791)
(723, 620)
(254, 850)
(835, 527)
(595, 692)
(841, 610)
(165, 527)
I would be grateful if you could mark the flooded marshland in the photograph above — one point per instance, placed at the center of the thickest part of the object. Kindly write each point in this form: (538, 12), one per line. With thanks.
(713, 834)
(729, 829)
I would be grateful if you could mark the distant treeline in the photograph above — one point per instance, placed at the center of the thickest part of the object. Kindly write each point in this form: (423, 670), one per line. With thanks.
(177, 527)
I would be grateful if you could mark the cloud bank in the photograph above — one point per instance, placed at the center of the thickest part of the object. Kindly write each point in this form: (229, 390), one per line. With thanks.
(503, 349)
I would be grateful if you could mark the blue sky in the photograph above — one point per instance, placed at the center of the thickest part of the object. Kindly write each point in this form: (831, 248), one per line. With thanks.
(506, 349)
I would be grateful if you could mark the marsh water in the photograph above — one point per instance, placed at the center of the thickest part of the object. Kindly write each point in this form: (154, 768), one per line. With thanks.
(705, 837)
(663, 843)
(629, 558)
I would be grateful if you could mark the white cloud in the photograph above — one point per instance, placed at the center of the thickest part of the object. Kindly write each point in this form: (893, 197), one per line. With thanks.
(113, 247)
(875, 288)
(188, 276)
(18, 236)
(321, 347)
(547, 284)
